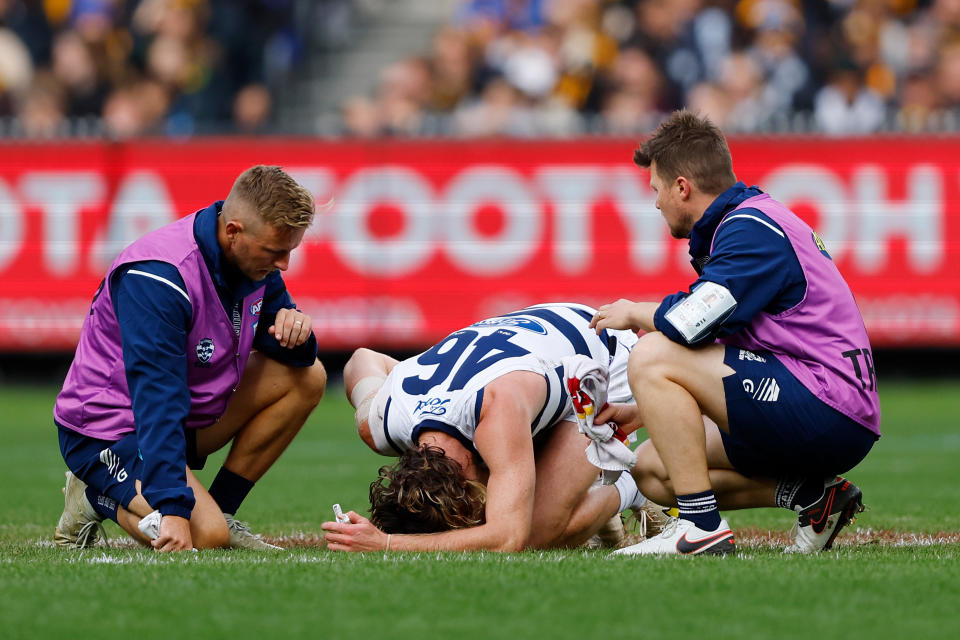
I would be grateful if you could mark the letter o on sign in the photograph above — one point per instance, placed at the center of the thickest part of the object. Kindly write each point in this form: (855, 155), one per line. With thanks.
(521, 232)
(394, 256)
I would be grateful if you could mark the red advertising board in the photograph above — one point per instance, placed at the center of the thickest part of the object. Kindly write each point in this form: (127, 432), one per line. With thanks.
(421, 237)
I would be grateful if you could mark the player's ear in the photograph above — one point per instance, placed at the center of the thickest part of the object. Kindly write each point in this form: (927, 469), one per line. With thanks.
(233, 228)
(684, 187)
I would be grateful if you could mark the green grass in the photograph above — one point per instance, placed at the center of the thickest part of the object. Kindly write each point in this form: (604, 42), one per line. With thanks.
(868, 591)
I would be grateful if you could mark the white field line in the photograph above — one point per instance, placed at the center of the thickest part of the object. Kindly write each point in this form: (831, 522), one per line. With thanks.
(746, 538)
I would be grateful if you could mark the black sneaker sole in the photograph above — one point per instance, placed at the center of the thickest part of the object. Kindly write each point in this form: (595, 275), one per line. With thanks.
(721, 548)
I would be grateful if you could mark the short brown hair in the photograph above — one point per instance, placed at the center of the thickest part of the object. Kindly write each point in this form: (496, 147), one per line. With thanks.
(425, 492)
(276, 198)
(692, 146)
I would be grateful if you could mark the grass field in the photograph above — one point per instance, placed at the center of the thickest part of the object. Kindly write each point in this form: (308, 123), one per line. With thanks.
(867, 588)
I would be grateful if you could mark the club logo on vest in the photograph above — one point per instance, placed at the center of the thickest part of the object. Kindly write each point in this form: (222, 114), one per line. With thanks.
(205, 349)
(821, 246)
(256, 306)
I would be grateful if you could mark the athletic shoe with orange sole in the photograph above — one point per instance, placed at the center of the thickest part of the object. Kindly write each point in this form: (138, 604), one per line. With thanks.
(819, 523)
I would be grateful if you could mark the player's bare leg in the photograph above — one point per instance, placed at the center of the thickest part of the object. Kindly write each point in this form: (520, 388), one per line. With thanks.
(208, 529)
(267, 411)
(566, 512)
(733, 490)
(674, 386)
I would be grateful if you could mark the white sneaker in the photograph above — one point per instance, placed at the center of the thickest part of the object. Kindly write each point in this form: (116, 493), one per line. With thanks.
(80, 526)
(684, 538)
(242, 538)
(819, 524)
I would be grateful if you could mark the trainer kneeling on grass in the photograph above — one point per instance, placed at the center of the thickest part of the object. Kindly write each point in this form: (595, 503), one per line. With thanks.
(769, 343)
(166, 373)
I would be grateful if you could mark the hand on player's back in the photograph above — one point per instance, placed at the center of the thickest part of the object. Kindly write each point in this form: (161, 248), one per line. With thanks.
(616, 315)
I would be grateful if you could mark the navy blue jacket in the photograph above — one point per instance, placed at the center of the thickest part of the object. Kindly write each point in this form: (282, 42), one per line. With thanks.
(154, 319)
(757, 265)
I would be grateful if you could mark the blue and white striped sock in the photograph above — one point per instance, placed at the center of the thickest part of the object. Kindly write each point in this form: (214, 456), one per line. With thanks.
(700, 509)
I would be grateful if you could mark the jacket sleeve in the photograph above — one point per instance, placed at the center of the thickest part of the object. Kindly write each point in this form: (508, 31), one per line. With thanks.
(154, 313)
(755, 264)
(276, 297)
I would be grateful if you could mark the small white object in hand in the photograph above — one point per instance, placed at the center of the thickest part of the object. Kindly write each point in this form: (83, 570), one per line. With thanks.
(340, 515)
(149, 525)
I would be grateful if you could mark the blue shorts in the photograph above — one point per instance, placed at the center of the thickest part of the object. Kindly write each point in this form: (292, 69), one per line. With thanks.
(108, 467)
(778, 428)
(112, 467)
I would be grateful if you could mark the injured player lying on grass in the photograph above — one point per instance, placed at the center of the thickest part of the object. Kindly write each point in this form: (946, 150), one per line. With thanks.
(490, 455)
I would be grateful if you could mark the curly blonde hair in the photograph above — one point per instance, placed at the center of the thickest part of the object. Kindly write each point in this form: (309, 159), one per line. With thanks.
(425, 492)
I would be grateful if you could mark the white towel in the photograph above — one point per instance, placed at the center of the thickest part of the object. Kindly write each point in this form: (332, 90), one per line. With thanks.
(587, 382)
(149, 524)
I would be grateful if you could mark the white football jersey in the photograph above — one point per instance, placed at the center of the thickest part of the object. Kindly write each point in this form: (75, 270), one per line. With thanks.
(442, 388)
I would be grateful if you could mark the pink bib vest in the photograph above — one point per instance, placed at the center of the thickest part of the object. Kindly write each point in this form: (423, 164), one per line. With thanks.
(821, 340)
(95, 399)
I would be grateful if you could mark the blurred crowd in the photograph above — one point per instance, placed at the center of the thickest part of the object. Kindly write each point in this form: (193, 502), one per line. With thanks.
(500, 67)
(143, 67)
(561, 67)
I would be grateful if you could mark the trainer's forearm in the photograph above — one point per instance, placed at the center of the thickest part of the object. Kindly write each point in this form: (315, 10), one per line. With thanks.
(642, 315)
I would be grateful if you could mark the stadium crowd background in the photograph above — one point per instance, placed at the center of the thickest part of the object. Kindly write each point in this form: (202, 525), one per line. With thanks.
(498, 67)
(126, 69)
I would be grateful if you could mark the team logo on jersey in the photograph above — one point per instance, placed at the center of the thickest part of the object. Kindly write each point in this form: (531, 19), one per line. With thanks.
(432, 406)
(515, 322)
(256, 306)
(205, 349)
(821, 245)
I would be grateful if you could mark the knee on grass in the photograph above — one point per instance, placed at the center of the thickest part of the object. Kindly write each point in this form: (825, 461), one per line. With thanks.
(210, 535)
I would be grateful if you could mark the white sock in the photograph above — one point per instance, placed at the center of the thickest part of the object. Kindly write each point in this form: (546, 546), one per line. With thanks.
(630, 496)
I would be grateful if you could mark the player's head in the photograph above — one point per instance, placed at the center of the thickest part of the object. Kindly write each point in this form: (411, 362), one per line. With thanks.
(264, 218)
(685, 152)
(425, 492)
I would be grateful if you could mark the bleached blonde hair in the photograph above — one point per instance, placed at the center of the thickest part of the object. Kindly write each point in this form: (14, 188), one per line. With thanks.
(275, 197)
